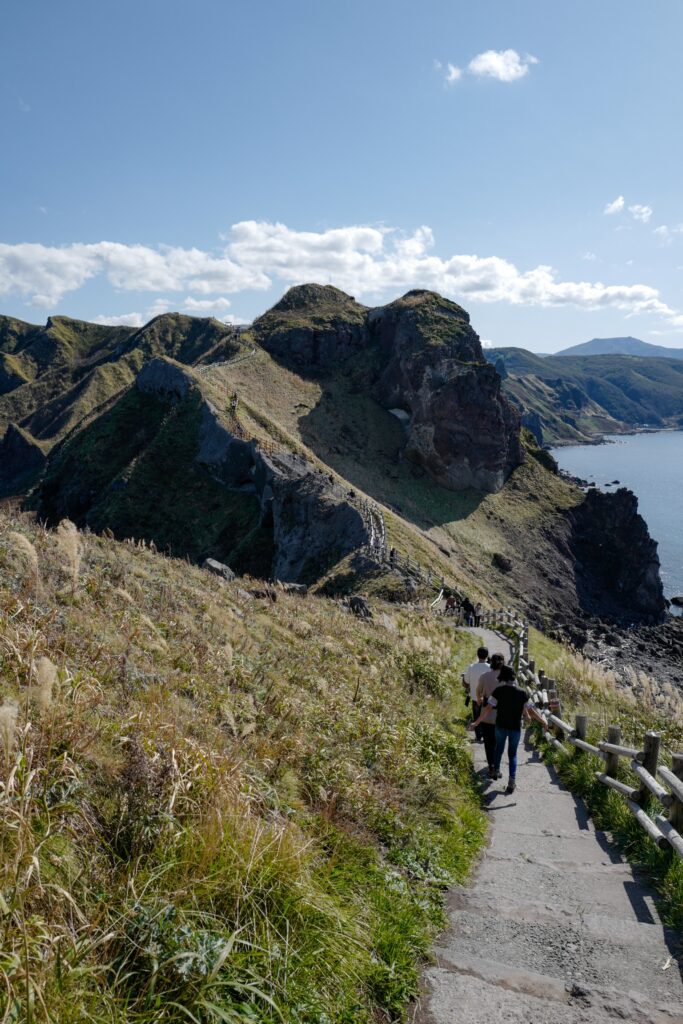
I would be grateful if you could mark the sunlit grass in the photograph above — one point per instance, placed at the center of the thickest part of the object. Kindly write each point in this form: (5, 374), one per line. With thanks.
(213, 808)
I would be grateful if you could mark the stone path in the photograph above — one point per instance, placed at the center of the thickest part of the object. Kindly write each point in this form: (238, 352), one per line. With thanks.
(556, 928)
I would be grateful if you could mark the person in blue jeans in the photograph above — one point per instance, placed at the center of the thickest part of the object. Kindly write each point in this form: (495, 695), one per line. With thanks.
(510, 703)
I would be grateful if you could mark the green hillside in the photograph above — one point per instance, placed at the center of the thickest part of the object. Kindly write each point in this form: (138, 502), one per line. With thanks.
(53, 378)
(218, 808)
(580, 397)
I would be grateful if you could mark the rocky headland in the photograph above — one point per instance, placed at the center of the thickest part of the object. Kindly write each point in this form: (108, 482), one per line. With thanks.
(260, 449)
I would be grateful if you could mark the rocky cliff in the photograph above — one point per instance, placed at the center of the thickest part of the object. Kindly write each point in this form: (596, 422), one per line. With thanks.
(184, 477)
(617, 566)
(424, 360)
(461, 427)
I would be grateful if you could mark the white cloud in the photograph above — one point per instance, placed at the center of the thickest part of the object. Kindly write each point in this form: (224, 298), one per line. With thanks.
(191, 305)
(504, 65)
(363, 260)
(123, 320)
(616, 206)
(589, 257)
(640, 212)
(372, 261)
(666, 234)
(453, 74)
(487, 344)
(44, 274)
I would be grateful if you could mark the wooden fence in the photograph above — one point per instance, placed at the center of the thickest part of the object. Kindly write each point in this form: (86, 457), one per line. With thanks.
(657, 784)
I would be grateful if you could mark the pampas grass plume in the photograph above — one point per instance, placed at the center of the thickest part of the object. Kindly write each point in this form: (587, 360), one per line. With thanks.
(8, 727)
(69, 540)
(23, 546)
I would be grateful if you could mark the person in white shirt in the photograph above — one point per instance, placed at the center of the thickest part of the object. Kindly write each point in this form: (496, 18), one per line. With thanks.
(470, 678)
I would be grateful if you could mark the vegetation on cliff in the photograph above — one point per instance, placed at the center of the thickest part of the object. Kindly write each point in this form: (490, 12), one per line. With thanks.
(577, 398)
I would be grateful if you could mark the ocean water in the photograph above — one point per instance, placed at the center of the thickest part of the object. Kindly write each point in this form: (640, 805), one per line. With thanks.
(651, 465)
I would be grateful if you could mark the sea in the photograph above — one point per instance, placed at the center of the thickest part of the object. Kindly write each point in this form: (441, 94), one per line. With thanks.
(651, 465)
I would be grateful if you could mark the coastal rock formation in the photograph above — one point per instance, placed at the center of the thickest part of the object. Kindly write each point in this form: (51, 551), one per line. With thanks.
(462, 429)
(425, 360)
(617, 566)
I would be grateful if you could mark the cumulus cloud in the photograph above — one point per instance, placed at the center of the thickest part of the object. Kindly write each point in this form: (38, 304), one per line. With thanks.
(44, 274)
(120, 320)
(640, 212)
(371, 261)
(616, 206)
(190, 305)
(504, 65)
(666, 234)
(589, 256)
(364, 260)
(453, 74)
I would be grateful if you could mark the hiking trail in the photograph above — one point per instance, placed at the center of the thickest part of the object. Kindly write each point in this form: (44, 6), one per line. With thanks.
(556, 927)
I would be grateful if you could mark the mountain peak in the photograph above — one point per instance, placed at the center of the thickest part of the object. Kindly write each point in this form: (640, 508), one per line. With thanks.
(304, 296)
(627, 346)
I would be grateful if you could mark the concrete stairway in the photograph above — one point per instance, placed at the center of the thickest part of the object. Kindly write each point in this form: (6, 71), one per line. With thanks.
(557, 928)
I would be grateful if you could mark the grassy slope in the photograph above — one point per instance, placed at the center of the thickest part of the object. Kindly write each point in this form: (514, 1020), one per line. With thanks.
(622, 391)
(214, 808)
(143, 482)
(577, 426)
(336, 421)
(56, 377)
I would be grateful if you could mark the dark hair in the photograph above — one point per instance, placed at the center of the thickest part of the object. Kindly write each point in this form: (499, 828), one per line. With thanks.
(482, 652)
(507, 675)
(497, 661)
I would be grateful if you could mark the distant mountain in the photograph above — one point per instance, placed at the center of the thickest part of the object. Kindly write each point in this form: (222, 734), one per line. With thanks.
(579, 398)
(621, 347)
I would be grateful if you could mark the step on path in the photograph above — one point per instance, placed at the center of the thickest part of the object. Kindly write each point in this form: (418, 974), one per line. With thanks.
(556, 928)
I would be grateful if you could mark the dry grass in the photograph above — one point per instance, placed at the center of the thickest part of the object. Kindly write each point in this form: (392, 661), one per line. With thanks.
(212, 807)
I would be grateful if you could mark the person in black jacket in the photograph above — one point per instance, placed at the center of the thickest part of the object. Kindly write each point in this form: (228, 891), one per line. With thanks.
(510, 703)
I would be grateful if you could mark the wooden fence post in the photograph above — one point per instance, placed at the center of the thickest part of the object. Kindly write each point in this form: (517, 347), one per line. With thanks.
(612, 760)
(649, 762)
(676, 812)
(581, 731)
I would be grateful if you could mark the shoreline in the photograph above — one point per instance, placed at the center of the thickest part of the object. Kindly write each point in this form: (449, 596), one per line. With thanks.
(600, 439)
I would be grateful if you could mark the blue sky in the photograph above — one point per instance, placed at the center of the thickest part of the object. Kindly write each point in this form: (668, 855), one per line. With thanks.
(204, 155)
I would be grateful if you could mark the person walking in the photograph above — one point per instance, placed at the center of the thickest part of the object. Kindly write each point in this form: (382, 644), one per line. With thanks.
(467, 611)
(510, 703)
(478, 611)
(488, 682)
(471, 677)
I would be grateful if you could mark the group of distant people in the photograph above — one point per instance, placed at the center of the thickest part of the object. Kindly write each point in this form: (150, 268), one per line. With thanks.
(498, 707)
(462, 609)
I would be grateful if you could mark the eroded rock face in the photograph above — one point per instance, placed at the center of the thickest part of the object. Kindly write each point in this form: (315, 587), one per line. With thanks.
(617, 565)
(462, 429)
(424, 360)
(313, 523)
(313, 327)
(164, 378)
